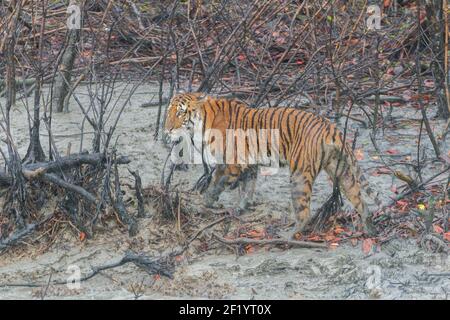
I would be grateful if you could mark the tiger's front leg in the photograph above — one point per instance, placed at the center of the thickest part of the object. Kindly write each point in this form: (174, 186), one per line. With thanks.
(233, 176)
(224, 176)
(219, 182)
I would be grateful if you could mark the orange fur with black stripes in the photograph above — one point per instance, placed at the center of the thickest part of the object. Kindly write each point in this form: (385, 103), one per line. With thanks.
(308, 143)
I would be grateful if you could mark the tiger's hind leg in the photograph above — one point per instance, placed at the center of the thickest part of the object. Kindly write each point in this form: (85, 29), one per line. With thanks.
(247, 187)
(301, 189)
(350, 186)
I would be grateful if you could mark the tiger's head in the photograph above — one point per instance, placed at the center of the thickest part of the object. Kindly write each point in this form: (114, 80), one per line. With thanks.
(183, 112)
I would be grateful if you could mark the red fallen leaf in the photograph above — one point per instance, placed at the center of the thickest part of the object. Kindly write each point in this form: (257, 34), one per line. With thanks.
(402, 202)
(300, 61)
(156, 277)
(86, 54)
(310, 238)
(386, 3)
(334, 245)
(338, 230)
(392, 151)
(255, 234)
(381, 171)
(249, 249)
(447, 236)
(367, 246)
(438, 229)
(359, 154)
(424, 97)
(82, 236)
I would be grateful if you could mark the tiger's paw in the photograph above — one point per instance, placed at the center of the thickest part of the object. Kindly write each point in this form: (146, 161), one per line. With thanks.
(209, 204)
(241, 210)
(209, 200)
(245, 206)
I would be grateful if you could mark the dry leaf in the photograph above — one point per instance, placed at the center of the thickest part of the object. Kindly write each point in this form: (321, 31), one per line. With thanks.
(359, 154)
(447, 236)
(438, 229)
(334, 245)
(367, 246)
(392, 151)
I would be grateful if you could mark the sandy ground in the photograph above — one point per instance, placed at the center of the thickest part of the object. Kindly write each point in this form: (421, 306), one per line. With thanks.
(398, 271)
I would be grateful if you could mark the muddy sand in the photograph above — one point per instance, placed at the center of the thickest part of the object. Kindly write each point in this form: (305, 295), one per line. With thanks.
(399, 270)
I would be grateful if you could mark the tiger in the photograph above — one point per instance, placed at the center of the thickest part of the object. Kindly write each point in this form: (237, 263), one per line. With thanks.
(308, 143)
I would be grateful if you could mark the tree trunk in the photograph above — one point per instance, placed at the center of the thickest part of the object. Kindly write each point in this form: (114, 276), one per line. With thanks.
(35, 153)
(436, 32)
(62, 81)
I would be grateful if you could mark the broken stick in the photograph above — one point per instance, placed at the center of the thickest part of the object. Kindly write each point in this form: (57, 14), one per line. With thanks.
(293, 243)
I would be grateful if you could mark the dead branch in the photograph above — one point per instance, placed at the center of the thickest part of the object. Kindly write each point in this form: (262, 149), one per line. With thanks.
(34, 170)
(138, 190)
(161, 266)
(264, 242)
(119, 205)
(49, 177)
(21, 234)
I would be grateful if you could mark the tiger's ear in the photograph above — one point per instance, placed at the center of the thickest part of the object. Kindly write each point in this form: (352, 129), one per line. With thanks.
(202, 96)
(200, 100)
